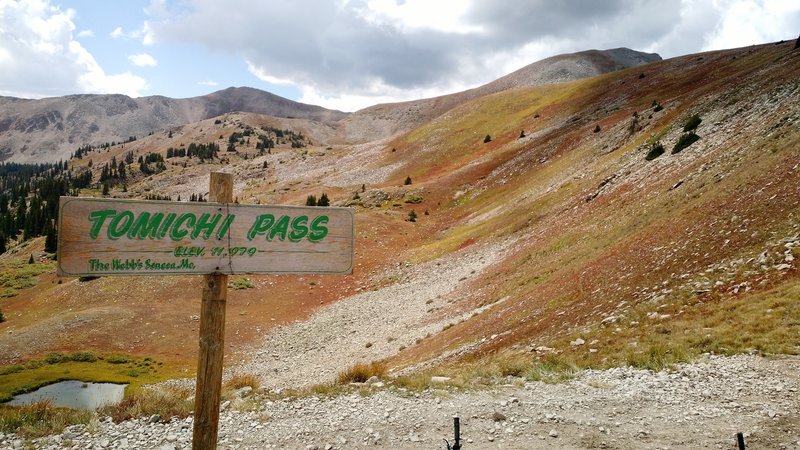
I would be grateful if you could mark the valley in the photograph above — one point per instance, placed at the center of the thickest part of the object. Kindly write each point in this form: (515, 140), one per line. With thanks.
(560, 230)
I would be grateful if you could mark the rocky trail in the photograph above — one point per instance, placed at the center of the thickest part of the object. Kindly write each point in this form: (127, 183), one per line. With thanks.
(699, 405)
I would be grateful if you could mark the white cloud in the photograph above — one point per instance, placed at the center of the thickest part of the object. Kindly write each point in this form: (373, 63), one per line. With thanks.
(148, 38)
(143, 33)
(85, 34)
(40, 57)
(263, 75)
(358, 52)
(210, 83)
(745, 23)
(372, 94)
(143, 60)
(442, 15)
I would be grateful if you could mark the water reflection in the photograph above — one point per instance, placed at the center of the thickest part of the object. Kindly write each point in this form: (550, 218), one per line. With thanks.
(74, 394)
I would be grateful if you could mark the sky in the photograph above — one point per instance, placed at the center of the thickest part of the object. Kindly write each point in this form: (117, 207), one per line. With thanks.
(345, 54)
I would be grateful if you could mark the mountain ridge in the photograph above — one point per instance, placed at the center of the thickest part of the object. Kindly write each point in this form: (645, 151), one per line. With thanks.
(50, 129)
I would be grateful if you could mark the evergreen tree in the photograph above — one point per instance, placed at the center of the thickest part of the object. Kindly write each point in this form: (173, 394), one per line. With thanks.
(21, 215)
(311, 200)
(323, 200)
(51, 239)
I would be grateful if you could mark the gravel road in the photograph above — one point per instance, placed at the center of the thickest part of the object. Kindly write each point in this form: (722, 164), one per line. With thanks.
(699, 405)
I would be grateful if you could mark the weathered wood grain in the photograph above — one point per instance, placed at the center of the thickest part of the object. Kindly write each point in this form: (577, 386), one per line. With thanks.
(212, 339)
(121, 247)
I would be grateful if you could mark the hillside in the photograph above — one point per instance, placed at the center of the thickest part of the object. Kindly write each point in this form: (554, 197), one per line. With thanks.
(385, 120)
(51, 129)
(564, 241)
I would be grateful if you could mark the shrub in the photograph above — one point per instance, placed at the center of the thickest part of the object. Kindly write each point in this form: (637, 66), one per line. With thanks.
(2, 317)
(487, 139)
(55, 358)
(241, 283)
(684, 141)
(83, 357)
(361, 372)
(522, 134)
(596, 129)
(8, 370)
(692, 123)
(166, 402)
(656, 150)
(657, 106)
(117, 359)
(412, 216)
(240, 381)
(407, 181)
(413, 198)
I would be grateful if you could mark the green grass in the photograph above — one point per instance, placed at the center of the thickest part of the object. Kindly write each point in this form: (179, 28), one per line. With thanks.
(84, 366)
(40, 419)
(766, 323)
(493, 368)
(361, 372)
(166, 402)
(21, 275)
(241, 283)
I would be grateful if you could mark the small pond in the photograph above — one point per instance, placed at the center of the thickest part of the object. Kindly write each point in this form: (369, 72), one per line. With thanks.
(74, 394)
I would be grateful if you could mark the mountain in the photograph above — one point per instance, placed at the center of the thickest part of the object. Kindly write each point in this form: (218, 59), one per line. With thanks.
(50, 129)
(382, 121)
(640, 217)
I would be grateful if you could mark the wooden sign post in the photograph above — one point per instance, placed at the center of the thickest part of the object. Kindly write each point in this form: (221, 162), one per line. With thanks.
(99, 237)
(212, 338)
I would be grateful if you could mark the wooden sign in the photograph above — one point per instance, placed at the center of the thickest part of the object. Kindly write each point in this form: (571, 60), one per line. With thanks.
(131, 237)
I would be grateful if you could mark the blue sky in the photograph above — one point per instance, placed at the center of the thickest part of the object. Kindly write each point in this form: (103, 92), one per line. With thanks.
(345, 54)
(112, 33)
